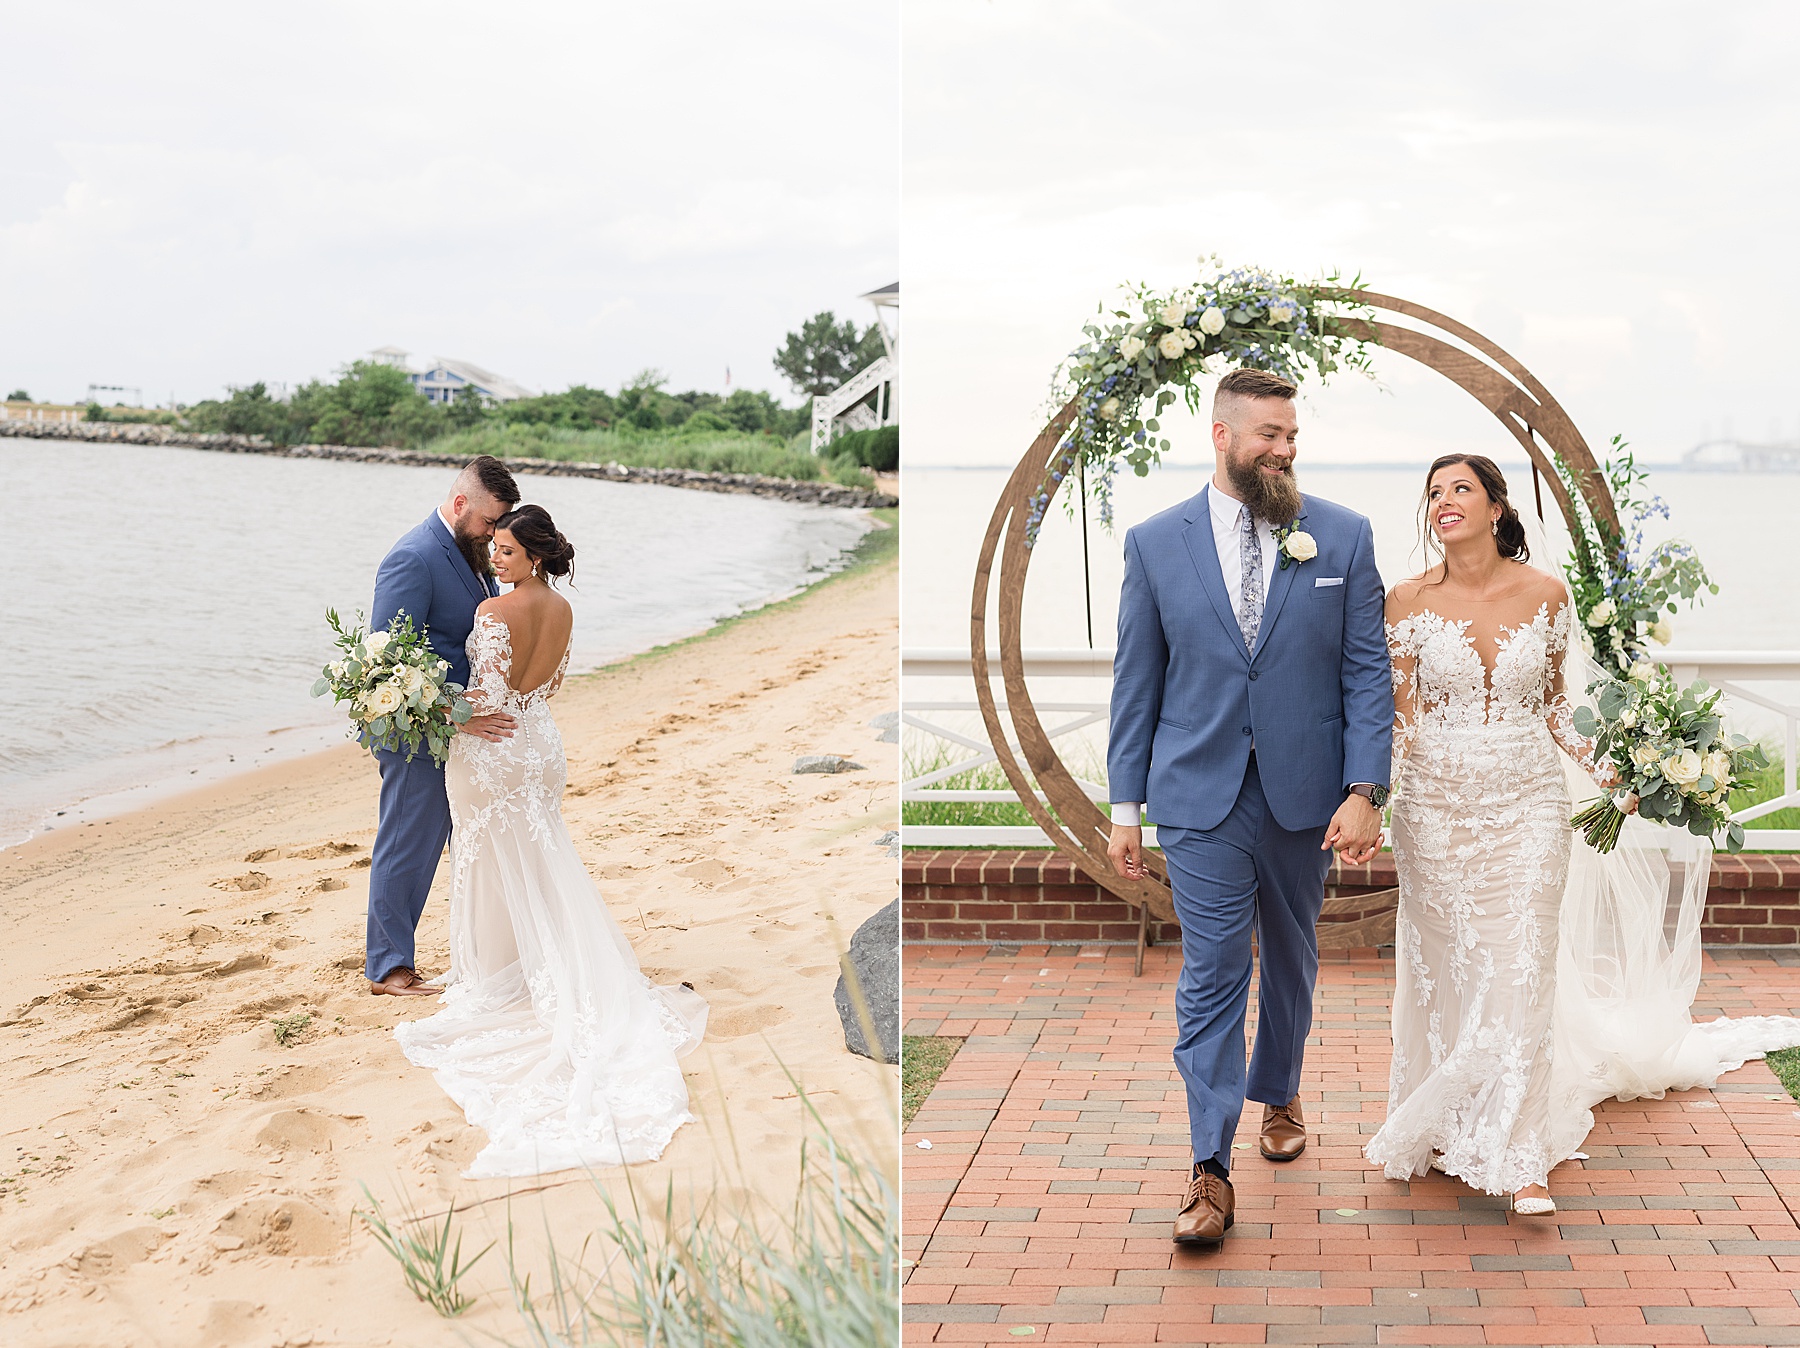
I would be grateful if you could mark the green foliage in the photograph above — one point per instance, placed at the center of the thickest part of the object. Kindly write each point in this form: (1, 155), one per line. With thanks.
(1785, 1064)
(248, 411)
(371, 404)
(825, 353)
(703, 451)
(288, 1029)
(18, 395)
(923, 1059)
(395, 686)
(878, 449)
(922, 762)
(136, 416)
(1755, 786)
(430, 1260)
(734, 1274)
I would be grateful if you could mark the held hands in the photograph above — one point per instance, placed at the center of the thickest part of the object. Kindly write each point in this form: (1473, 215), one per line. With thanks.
(1354, 831)
(493, 727)
(1125, 849)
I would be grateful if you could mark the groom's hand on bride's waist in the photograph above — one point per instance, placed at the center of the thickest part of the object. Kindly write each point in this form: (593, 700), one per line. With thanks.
(1355, 831)
(493, 727)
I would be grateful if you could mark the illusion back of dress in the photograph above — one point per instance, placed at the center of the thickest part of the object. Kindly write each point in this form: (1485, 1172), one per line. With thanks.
(549, 1036)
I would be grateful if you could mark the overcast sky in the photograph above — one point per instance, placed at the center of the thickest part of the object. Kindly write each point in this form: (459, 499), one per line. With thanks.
(1608, 190)
(195, 195)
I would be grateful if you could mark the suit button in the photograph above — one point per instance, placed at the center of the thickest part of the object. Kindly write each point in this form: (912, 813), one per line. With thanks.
(1246, 730)
(1253, 676)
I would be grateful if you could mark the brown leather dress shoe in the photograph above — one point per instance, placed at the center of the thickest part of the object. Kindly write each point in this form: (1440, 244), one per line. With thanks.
(1283, 1134)
(403, 982)
(1209, 1211)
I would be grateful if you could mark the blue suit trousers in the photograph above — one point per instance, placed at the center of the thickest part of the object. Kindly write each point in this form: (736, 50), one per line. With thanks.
(410, 835)
(1246, 875)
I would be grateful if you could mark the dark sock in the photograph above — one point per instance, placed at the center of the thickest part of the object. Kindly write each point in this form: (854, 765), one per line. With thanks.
(1212, 1167)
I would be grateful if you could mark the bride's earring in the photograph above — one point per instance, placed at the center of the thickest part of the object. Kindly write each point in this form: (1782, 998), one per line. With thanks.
(1494, 528)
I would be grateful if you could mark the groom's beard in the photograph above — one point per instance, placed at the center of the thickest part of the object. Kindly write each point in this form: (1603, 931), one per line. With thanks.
(475, 551)
(1272, 498)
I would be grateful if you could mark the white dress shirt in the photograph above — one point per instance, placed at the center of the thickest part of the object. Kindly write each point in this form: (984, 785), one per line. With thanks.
(1227, 529)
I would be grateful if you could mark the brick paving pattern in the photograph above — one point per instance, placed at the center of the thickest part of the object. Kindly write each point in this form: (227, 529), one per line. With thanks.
(1041, 1210)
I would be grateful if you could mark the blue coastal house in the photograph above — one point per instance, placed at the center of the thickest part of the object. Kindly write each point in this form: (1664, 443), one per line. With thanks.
(444, 379)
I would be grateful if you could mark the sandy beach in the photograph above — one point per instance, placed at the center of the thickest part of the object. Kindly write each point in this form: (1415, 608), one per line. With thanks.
(170, 1174)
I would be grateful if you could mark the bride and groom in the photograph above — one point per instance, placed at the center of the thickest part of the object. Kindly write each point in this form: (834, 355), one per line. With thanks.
(548, 1035)
(1265, 697)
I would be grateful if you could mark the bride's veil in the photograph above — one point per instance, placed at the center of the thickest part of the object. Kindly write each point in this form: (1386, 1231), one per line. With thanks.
(1628, 963)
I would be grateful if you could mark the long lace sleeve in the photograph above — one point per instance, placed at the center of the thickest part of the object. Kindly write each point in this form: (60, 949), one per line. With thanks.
(1404, 656)
(489, 665)
(1559, 709)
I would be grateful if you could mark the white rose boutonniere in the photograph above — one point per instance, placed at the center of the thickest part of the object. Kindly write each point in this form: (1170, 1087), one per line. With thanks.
(1131, 348)
(1212, 321)
(1295, 545)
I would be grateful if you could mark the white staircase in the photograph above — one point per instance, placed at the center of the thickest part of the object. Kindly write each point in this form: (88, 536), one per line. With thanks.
(843, 409)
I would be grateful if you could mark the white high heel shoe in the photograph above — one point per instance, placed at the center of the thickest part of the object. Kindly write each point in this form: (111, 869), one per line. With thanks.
(1533, 1206)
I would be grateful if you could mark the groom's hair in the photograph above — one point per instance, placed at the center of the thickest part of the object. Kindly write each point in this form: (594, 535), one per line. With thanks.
(491, 476)
(1248, 383)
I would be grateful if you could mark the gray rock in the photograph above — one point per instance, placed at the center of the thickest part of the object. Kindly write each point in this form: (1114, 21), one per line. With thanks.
(826, 763)
(888, 723)
(874, 960)
(891, 841)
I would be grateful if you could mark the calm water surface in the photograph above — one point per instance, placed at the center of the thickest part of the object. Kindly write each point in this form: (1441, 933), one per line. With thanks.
(168, 617)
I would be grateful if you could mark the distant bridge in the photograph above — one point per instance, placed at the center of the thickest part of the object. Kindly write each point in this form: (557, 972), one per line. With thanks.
(1742, 456)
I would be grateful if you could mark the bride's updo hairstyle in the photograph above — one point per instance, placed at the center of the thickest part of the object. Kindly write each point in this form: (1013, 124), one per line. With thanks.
(532, 526)
(1509, 537)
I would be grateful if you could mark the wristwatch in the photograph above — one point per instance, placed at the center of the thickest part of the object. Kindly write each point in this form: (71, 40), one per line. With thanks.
(1375, 795)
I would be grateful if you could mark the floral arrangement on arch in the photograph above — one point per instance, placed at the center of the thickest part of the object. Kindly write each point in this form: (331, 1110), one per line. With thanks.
(1667, 744)
(1127, 373)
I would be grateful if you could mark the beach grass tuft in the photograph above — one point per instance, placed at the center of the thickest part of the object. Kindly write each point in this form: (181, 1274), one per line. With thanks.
(430, 1257)
(734, 1273)
(923, 1059)
(288, 1029)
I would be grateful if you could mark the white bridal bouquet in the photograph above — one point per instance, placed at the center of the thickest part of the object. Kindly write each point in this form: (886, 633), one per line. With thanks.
(395, 685)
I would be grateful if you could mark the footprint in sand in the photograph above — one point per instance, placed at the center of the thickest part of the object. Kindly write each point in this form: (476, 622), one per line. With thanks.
(246, 883)
(322, 851)
(747, 1020)
(292, 1227)
(117, 1253)
(238, 964)
(308, 1130)
(708, 872)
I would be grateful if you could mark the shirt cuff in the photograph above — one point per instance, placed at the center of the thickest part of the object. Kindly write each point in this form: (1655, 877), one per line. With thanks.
(1128, 812)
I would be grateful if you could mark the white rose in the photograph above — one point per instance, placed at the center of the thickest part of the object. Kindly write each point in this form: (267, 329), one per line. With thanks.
(1628, 718)
(1300, 546)
(1661, 632)
(1173, 313)
(1109, 409)
(1131, 347)
(1212, 322)
(339, 669)
(1283, 310)
(1718, 767)
(431, 691)
(382, 699)
(1642, 670)
(1643, 754)
(1682, 768)
(1172, 343)
(1601, 614)
(377, 642)
(410, 680)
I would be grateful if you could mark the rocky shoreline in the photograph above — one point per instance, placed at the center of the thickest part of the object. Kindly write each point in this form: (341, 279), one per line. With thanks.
(744, 484)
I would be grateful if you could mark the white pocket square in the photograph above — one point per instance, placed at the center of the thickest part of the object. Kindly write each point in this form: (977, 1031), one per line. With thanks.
(1323, 581)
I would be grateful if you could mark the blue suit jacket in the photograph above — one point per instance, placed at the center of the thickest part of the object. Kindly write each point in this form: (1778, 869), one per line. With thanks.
(1315, 696)
(427, 576)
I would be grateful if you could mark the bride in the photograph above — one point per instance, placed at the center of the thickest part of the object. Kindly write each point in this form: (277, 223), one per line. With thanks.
(548, 1036)
(1524, 993)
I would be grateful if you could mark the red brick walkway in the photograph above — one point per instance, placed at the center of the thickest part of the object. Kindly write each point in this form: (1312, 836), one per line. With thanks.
(1041, 1211)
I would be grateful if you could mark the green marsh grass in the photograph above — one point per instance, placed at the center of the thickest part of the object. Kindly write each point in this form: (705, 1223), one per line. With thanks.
(430, 1257)
(699, 451)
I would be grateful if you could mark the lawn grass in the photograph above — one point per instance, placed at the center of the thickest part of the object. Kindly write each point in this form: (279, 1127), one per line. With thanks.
(1785, 1064)
(923, 1059)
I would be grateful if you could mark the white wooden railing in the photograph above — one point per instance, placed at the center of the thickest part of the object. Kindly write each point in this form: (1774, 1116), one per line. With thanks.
(1749, 679)
(841, 404)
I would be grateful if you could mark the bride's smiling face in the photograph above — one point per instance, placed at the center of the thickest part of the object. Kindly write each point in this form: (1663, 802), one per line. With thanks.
(512, 564)
(1457, 505)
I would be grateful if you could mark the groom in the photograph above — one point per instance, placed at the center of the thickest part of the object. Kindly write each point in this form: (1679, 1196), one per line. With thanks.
(1252, 712)
(438, 574)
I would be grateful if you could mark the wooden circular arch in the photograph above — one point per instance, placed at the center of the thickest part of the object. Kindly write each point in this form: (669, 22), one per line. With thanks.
(1074, 823)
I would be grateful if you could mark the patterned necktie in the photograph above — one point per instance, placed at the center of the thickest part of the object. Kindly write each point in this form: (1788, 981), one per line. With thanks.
(1250, 602)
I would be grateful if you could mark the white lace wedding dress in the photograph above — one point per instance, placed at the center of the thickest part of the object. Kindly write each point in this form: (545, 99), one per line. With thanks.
(548, 1035)
(1523, 997)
